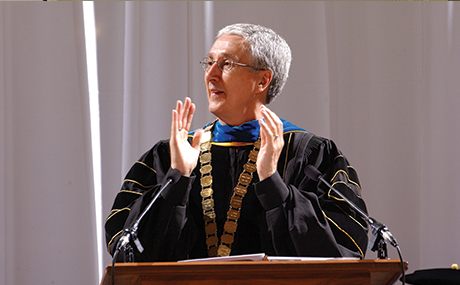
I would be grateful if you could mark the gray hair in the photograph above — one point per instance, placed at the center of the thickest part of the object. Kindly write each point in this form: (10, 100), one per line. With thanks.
(267, 50)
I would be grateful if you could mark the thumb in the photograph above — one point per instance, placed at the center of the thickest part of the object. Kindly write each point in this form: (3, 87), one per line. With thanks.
(197, 138)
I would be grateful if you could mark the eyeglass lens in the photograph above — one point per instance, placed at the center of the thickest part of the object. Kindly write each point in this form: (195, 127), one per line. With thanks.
(224, 64)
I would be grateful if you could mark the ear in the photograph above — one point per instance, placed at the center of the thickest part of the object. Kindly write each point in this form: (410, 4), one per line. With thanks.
(266, 77)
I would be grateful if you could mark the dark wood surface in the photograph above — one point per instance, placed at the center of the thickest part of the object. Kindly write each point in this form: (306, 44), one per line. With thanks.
(367, 271)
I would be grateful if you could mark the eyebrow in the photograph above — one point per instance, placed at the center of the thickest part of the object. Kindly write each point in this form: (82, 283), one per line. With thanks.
(225, 55)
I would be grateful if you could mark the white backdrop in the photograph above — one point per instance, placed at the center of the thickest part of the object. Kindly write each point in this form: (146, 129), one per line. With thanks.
(379, 78)
(48, 226)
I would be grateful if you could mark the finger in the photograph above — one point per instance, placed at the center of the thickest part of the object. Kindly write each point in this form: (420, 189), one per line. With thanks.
(179, 111)
(174, 127)
(273, 121)
(190, 116)
(185, 113)
(265, 131)
(269, 120)
(273, 118)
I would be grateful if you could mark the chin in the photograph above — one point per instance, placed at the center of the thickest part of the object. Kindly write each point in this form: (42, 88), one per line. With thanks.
(215, 107)
(214, 111)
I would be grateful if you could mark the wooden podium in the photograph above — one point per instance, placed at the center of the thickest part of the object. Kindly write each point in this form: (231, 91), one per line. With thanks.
(367, 271)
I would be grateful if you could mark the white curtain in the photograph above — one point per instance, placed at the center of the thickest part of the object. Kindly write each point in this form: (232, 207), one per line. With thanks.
(47, 207)
(148, 54)
(440, 164)
(376, 100)
(379, 78)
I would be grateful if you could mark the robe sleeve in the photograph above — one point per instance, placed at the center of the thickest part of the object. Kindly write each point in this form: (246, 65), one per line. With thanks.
(304, 217)
(158, 234)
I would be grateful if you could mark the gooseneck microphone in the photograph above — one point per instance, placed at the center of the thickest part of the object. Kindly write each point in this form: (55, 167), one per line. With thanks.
(315, 175)
(131, 233)
(380, 232)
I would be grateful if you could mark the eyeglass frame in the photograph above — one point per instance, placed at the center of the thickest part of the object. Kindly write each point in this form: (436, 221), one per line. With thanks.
(204, 64)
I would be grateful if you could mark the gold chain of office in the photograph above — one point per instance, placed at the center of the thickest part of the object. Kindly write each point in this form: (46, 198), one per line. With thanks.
(233, 214)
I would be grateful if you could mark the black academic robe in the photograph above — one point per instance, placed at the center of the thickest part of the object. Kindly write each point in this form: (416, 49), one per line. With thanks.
(287, 214)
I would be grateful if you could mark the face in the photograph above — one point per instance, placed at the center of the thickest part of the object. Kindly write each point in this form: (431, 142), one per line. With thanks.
(234, 96)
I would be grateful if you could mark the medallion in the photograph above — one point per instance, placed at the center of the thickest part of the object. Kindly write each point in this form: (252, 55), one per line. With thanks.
(253, 155)
(205, 146)
(206, 169)
(205, 157)
(236, 202)
(230, 226)
(206, 181)
(245, 179)
(223, 250)
(207, 192)
(240, 190)
(208, 204)
(249, 167)
(211, 240)
(233, 214)
(210, 228)
(226, 238)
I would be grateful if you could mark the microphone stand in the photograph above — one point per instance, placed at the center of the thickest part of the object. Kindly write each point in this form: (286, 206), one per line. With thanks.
(131, 233)
(380, 232)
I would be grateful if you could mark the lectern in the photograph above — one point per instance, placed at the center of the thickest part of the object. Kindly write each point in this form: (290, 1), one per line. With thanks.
(367, 271)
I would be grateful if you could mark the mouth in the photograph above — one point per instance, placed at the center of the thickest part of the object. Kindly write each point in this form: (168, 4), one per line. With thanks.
(215, 92)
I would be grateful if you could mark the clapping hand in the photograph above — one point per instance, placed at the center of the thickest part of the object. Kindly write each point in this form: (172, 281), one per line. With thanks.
(272, 142)
(184, 156)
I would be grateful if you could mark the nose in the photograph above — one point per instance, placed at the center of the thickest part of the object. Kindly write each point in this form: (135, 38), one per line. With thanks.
(213, 73)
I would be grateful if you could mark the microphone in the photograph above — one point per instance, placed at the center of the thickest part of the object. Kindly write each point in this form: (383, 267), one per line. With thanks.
(376, 227)
(131, 232)
(380, 233)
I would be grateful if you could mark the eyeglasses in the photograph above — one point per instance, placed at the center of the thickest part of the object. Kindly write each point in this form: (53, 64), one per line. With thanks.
(224, 64)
